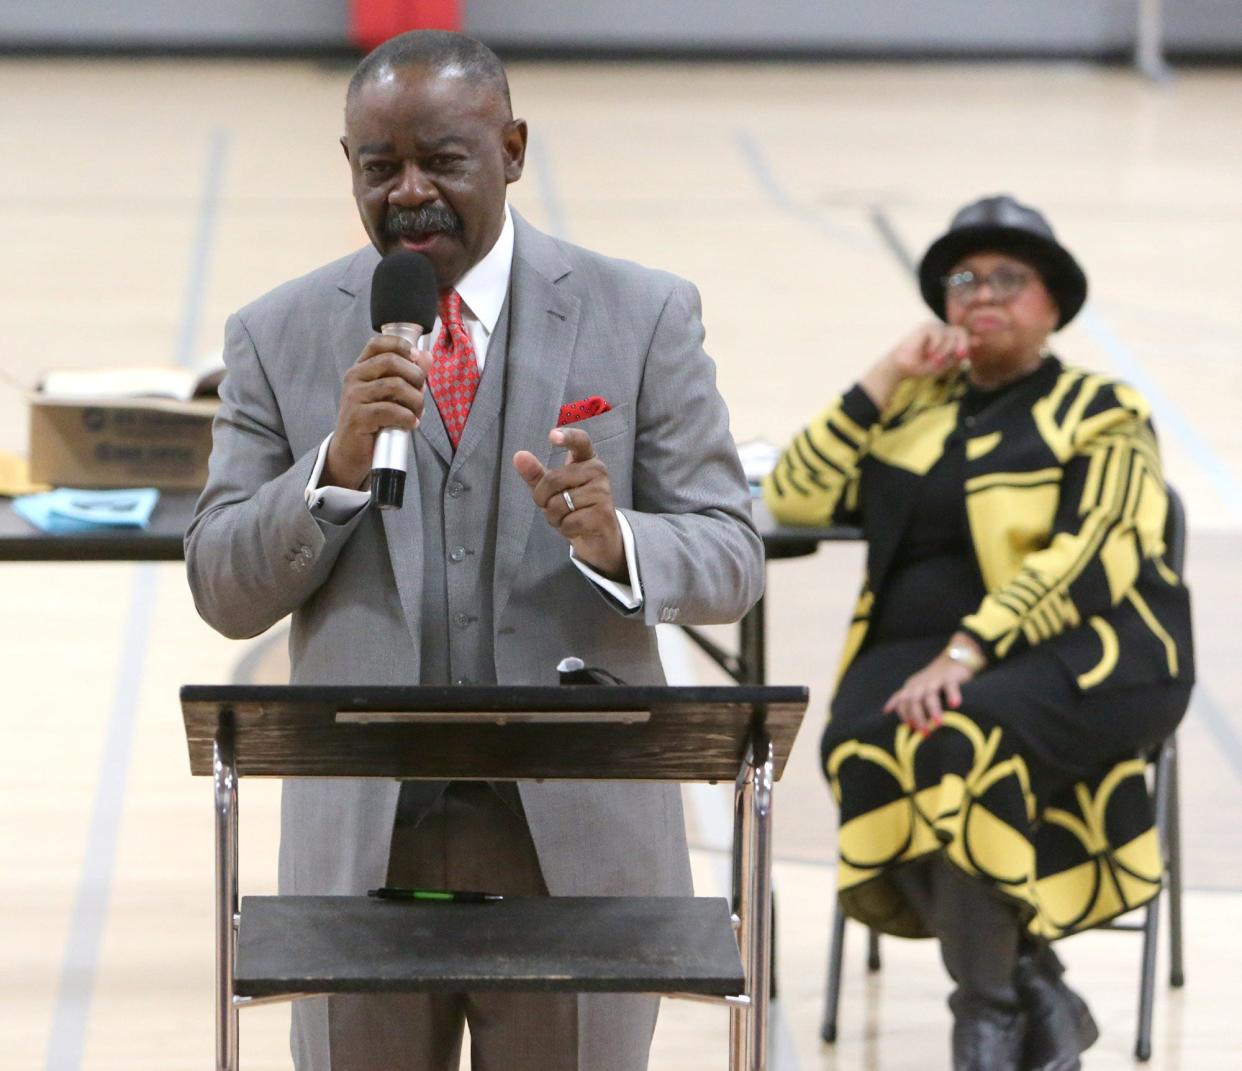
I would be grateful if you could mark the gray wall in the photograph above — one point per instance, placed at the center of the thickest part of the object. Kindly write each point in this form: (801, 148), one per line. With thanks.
(869, 27)
(1083, 27)
(219, 23)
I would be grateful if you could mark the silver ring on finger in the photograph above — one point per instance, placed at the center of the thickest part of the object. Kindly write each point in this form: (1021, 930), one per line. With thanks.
(569, 501)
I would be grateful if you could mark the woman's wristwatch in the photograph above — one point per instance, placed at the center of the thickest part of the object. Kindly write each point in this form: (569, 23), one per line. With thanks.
(965, 655)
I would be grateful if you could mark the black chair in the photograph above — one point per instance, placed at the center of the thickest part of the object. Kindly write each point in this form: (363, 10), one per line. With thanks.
(1164, 789)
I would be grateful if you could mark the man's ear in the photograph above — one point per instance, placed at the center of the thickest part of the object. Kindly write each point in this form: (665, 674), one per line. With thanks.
(345, 146)
(514, 149)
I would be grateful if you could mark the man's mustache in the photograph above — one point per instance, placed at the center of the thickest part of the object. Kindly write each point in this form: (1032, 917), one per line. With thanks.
(426, 219)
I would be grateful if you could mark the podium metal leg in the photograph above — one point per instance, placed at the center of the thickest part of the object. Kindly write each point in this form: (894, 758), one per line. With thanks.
(743, 795)
(225, 774)
(752, 905)
(760, 973)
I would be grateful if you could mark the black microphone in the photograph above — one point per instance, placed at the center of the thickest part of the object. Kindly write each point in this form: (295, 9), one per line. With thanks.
(403, 303)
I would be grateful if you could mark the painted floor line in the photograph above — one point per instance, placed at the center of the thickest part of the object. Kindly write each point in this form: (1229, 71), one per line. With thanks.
(1220, 726)
(757, 161)
(1168, 416)
(200, 250)
(71, 1014)
(883, 224)
(549, 190)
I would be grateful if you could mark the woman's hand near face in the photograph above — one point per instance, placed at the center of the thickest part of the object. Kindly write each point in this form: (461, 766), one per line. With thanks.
(928, 350)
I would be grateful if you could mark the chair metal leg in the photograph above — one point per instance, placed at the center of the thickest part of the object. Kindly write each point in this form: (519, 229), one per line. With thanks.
(1151, 923)
(1147, 981)
(832, 996)
(1173, 842)
(873, 950)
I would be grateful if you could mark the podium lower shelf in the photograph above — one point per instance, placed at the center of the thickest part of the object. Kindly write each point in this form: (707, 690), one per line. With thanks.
(346, 944)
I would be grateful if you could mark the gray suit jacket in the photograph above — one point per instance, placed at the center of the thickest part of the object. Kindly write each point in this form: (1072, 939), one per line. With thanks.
(580, 324)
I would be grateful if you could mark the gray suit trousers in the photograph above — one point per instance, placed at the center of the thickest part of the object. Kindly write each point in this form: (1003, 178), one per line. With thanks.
(472, 839)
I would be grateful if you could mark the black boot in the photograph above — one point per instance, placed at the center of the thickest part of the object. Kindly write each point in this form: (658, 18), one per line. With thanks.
(1059, 1024)
(986, 1036)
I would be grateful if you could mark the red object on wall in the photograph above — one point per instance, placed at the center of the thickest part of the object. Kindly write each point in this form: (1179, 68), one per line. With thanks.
(372, 22)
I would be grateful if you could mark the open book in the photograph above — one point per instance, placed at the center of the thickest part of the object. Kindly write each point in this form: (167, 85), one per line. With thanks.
(180, 384)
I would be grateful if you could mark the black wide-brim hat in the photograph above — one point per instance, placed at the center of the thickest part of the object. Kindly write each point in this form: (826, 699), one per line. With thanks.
(1002, 225)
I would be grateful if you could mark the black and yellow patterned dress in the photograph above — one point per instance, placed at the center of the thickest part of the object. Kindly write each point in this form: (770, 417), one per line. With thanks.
(1033, 518)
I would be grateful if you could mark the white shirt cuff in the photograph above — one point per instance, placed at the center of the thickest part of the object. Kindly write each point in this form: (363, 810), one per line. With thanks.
(336, 505)
(630, 595)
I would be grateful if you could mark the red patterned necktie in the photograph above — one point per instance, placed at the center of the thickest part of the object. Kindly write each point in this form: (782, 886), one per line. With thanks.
(455, 373)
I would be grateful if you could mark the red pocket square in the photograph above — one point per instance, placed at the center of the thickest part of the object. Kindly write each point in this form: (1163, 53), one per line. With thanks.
(572, 412)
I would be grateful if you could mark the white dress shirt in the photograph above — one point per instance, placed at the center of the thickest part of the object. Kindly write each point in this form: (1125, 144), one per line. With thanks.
(483, 290)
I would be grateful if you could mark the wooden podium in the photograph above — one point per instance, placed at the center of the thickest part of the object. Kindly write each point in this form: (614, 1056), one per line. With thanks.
(281, 948)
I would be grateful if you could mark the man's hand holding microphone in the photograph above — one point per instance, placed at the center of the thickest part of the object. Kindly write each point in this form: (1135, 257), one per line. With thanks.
(382, 395)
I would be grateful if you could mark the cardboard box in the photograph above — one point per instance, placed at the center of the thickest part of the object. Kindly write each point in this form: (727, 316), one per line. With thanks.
(120, 442)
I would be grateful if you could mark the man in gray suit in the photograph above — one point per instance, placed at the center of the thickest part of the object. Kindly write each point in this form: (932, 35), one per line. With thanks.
(520, 542)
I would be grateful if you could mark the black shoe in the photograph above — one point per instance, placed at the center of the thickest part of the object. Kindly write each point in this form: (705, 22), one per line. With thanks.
(986, 1036)
(1059, 1023)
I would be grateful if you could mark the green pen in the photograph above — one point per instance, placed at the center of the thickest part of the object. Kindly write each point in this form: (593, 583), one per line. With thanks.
(455, 896)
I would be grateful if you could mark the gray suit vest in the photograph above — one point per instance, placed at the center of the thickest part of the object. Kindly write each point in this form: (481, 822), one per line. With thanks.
(459, 502)
(460, 495)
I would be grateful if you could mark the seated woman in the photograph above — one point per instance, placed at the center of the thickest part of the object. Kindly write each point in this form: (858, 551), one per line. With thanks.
(1019, 645)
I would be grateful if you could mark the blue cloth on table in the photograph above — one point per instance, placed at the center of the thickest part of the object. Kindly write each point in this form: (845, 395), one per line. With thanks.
(68, 510)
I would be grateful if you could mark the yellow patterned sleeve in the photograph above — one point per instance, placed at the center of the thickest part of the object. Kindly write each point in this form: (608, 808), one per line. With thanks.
(1111, 516)
(815, 482)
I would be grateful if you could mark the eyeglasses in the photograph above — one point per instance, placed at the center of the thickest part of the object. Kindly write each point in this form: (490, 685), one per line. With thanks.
(1005, 284)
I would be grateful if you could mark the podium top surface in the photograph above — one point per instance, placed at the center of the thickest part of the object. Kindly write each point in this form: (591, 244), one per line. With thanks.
(574, 732)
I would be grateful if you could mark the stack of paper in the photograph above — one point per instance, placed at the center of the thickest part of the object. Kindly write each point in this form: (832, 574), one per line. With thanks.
(758, 458)
(181, 384)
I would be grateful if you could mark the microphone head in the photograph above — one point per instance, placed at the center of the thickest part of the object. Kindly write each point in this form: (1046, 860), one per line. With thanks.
(404, 291)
